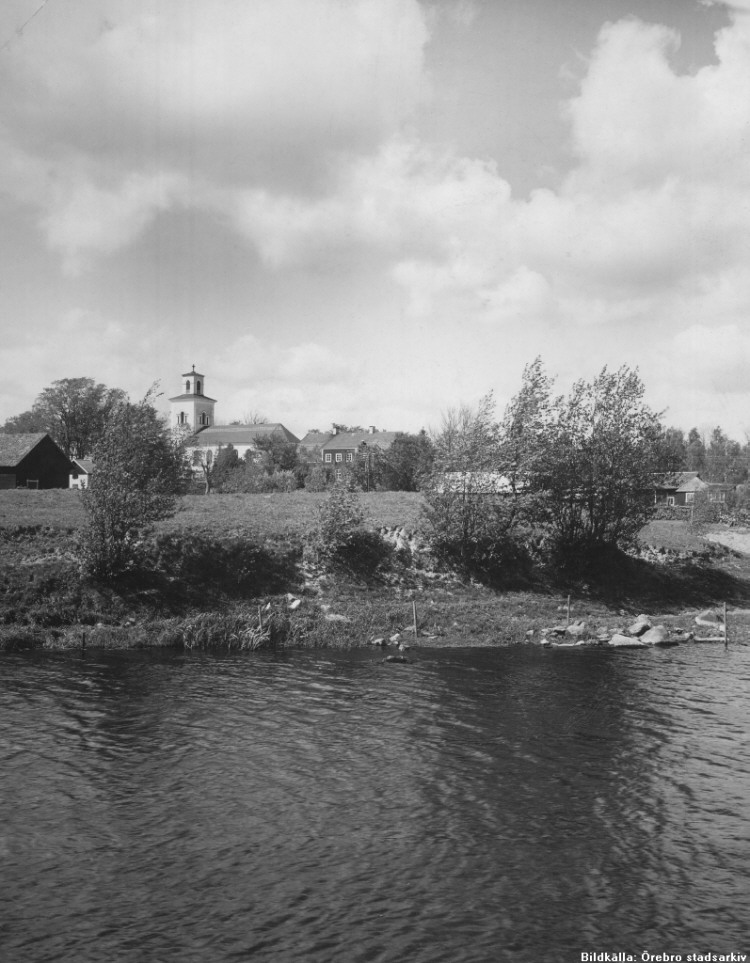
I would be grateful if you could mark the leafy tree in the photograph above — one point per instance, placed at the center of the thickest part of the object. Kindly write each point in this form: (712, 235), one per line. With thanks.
(276, 453)
(74, 411)
(470, 520)
(695, 456)
(408, 462)
(346, 429)
(140, 468)
(672, 452)
(595, 460)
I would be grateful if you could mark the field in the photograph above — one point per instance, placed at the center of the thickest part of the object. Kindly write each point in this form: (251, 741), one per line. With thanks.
(259, 516)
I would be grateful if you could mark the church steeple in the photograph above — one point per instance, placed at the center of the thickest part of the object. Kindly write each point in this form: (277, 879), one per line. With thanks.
(192, 409)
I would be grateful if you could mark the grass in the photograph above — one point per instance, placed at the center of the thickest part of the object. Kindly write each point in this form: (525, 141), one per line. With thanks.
(221, 556)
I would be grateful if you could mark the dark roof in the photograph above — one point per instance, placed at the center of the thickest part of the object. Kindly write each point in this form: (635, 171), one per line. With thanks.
(188, 374)
(674, 479)
(315, 439)
(240, 434)
(14, 448)
(353, 439)
(191, 394)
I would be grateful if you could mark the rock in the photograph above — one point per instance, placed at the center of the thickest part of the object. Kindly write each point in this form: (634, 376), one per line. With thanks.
(396, 658)
(642, 624)
(379, 641)
(658, 635)
(559, 629)
(396, 637)
(334, 617)
(576, 629)
(626, 642)
(295, 604)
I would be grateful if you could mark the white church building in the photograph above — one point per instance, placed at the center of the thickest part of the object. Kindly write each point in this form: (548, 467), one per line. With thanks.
(192, 413)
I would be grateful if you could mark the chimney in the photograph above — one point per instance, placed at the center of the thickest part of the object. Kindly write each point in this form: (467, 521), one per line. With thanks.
(334, 430)
(371, 430)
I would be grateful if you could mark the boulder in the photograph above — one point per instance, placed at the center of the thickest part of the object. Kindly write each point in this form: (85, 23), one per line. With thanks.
(576, 629)
(658, 635)
(642, 624)
(626, 642)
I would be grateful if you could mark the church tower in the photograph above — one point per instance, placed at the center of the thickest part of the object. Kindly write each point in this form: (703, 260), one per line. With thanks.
(192, 409)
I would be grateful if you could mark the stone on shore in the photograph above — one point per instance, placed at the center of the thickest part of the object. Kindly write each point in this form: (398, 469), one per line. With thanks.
(642, 624)
(658, 635)
(626, 642)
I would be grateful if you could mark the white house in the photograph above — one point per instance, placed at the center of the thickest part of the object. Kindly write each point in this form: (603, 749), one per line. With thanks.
(80, 472)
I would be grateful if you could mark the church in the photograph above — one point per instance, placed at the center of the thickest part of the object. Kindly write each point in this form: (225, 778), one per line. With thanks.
(192, 413)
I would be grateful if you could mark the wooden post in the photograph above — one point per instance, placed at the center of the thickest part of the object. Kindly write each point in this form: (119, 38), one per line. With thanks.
(83, 644)
(260, 618)
(414, 613)
(726, 627)
(568, 622)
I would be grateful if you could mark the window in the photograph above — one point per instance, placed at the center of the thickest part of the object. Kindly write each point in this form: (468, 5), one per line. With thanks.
(187, 387)
(689, 496)
(197, 387)
(328, 456)
(670, 499)
(350, 456)
(339, 456)
(182, 419)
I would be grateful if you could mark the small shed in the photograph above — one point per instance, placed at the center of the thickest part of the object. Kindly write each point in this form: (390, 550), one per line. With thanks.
(32, 460)
(80, 472)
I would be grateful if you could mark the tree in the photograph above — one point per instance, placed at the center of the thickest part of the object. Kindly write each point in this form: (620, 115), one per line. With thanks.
(672, 455)
(594, 461)
(140, 468)
(74, 411)
(695, 455)
(469, 520)
(276, 452)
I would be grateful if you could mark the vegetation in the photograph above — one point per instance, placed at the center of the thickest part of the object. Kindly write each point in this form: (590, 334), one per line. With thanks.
(139, 472)
(566, 474)
(74, 411)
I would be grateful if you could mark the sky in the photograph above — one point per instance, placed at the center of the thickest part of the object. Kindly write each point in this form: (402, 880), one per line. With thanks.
(372, 211)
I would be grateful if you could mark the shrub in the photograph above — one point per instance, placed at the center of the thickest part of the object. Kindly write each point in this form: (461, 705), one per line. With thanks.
(339, 540)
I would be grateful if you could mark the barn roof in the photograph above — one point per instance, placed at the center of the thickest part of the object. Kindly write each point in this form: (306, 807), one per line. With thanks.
(241, 434)
(83, 465)
(14, 448)
(316, 439)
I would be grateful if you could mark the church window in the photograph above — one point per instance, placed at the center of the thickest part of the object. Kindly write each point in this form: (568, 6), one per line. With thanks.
(197, 387)
(187, 387)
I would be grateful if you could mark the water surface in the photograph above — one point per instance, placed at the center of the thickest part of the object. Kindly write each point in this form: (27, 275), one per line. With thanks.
(476, 805)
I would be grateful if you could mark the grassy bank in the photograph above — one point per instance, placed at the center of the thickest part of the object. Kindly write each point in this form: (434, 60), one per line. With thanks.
(227, 572)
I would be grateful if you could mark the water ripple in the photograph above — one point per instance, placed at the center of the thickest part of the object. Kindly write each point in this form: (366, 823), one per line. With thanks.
(500, 805)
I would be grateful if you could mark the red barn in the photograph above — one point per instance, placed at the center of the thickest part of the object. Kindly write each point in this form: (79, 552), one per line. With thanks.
(32, 461)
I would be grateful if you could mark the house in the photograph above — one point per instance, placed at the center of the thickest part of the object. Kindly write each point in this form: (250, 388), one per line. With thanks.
(192, 414)
(32, 460)
(672, 488)
(342, 447)
(679, 488)
(311, 445)
(80, 472)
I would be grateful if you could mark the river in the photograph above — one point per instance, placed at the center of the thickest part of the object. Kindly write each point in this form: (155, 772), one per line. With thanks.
(511, 804)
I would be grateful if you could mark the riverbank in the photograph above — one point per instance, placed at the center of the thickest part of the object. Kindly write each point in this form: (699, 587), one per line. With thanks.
(228, 572)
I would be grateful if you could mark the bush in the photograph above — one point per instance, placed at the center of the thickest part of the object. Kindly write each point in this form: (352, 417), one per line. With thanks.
(140, 469)
(340, 542)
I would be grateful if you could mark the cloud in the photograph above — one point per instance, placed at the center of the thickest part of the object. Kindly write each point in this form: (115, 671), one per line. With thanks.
(113, 97)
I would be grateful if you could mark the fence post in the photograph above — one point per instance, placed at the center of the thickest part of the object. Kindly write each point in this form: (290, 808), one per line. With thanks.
(414, 613)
